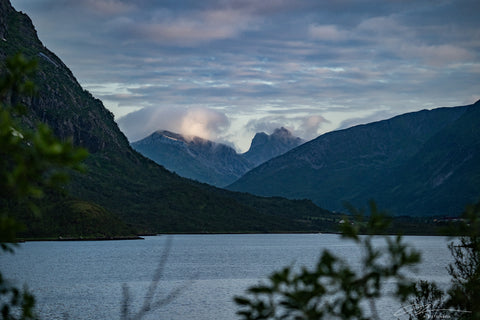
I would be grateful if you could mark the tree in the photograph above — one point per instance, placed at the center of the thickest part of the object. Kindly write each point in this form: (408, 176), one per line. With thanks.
(31, 162)
(461, 299)
(428, 303)
(464, 293)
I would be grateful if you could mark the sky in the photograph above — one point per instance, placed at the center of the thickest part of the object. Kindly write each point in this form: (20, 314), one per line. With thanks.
(226, 69)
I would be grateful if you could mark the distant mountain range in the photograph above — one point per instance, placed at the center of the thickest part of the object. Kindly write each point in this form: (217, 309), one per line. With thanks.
(121, 184)
(420, 163)
(194, 158)
(210, 162)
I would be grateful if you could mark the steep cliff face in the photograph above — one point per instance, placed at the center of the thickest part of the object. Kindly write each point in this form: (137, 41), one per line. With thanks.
(265, 147)
(401, 162)
(195, 158)
(4, 8)
(61, 102)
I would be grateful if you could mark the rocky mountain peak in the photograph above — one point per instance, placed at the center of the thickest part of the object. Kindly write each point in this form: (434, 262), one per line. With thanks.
(259, 139)
(194, 157)
(264, 146)
(282, 132)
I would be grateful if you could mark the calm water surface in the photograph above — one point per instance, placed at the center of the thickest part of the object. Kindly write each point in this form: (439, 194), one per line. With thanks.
(84, 280)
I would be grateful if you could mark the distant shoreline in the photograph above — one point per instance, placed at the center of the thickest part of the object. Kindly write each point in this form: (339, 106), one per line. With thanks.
(82, 239)
(141, 237)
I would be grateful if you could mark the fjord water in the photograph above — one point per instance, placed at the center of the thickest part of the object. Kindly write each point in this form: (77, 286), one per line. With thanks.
(84, 280)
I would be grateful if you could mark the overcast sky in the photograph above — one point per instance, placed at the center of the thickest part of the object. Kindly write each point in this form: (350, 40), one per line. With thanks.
(227, 69)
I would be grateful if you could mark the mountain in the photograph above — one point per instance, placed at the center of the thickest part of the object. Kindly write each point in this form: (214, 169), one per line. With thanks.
(119, 180)
(265, 147)
(420, 163)
(210, 162)
(195, 158)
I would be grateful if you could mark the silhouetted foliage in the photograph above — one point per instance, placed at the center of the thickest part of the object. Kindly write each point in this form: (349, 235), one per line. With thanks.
(464, 293)
(30, 162)
(461, 299)
(428, 303)
(153, 299)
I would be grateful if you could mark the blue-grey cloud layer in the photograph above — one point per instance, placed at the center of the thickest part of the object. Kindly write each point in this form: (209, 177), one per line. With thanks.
(310, 65)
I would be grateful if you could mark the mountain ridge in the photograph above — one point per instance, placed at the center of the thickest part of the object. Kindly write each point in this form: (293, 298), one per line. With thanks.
(211, 162)
(193, 157)
(362, 162)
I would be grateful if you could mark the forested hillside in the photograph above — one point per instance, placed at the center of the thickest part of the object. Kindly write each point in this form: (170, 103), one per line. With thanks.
(132, 188)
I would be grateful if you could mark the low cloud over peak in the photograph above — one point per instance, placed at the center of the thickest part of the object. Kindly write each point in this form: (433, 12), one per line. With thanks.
(200, 122)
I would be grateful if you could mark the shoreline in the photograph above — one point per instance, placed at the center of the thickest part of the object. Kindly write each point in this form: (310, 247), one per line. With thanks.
(141, 236)
(22, 240)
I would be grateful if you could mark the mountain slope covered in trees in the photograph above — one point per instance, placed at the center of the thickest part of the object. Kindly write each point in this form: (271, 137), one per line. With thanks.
(136, 190)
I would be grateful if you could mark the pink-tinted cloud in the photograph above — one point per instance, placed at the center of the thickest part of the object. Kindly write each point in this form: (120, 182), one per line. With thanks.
(198, 27)
(327, 33)
(109, 7)
(200, 122)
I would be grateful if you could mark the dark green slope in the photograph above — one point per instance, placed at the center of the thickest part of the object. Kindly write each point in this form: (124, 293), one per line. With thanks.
(444, 175)
(390, 161)
(133, 188)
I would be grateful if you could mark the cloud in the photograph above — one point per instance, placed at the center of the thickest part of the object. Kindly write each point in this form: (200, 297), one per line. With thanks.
(197, 27)
(437, 55)
(306, 127)
(416, 44)
(264, 64)
(266, 124)
(311, 126)
(108, 7)
(327, 32)
(375, 116)
(204, 123)
(151, 119)
(200, 122)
